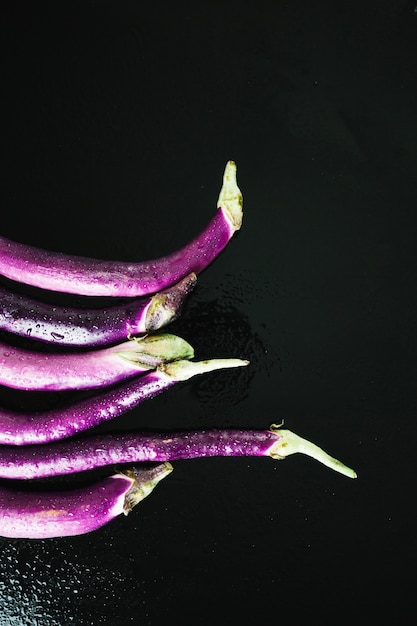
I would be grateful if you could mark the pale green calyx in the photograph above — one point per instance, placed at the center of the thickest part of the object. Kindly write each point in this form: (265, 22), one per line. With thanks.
(151, 351)
(290, 443)
(230, 197)
(166, 305)
(144, 482)
(184, 369)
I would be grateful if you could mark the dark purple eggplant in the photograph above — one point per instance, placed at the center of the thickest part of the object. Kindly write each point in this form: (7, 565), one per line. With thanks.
(90, 452)
(91, 327)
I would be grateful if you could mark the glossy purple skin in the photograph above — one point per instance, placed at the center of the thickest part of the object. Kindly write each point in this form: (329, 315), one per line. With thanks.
(56, 271)
(46, 371)
(86, 453)
(89, 327)
(18, 428)
(41, 515)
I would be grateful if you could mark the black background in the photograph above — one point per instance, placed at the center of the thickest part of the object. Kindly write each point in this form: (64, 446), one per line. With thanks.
(117, 121)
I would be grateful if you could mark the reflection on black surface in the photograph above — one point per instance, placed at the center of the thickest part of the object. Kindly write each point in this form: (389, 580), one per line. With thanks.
(218, 330)
(63, 586)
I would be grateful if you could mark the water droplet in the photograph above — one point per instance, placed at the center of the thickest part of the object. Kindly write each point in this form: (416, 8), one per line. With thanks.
(29, 331)
(57, 336)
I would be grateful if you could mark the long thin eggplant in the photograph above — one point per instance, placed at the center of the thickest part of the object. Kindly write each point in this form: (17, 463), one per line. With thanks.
(19, 428)
(50, 371)
(57, 271)
(86, 453)
(31, 514)
(91, 327)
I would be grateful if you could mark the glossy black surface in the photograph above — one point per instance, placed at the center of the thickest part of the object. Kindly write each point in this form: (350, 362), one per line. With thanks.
(118, 119)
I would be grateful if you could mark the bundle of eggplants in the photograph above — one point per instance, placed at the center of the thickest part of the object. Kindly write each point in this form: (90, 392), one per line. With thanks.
(116, 352)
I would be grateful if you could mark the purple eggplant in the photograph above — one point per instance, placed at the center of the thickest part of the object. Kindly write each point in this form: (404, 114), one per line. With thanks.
(50, 371)
(31, 514)
(56, 271)
(18, 428)
(90, 452)
(88, 327)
